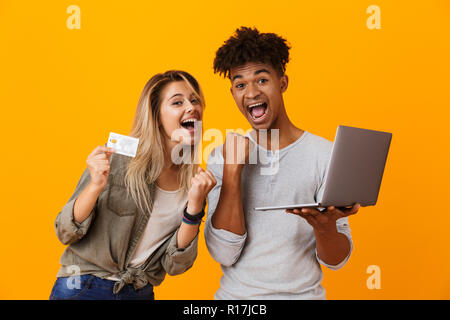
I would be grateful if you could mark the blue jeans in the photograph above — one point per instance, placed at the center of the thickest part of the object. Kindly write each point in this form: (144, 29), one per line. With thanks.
(90, 287)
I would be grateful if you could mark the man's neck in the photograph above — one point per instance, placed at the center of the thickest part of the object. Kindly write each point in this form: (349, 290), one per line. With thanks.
(288, 133)
(286, 136)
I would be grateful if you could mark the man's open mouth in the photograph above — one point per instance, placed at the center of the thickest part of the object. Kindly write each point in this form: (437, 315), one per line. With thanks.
(257, 110)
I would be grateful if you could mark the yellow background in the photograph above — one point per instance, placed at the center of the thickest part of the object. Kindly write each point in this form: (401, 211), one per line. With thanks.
(62, 91)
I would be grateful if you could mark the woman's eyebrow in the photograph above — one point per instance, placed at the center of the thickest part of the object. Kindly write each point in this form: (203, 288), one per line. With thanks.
(175, 95)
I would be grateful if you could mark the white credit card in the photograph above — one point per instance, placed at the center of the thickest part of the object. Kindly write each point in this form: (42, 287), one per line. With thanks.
(124, 145)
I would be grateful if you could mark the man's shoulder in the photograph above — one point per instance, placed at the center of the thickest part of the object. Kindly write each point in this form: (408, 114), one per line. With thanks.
(314, 144)
(319, 142)
(215, 161)
(216, 155)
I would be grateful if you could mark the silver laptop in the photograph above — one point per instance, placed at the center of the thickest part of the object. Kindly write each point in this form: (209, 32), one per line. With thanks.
(355, 170)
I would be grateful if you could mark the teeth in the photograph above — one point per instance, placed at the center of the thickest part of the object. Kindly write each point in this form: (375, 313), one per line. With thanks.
(189, 120)
(256, 105)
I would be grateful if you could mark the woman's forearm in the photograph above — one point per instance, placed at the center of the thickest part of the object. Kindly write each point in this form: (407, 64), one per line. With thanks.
(186, 234)
(201, 185)
(85, 202)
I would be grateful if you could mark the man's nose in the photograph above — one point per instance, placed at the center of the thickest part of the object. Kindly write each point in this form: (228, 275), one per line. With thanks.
(252, 91)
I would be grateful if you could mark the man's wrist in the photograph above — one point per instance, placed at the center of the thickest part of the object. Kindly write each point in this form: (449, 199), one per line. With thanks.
(327, 233)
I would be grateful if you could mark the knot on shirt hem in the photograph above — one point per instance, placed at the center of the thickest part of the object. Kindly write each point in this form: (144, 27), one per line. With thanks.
(134, 276)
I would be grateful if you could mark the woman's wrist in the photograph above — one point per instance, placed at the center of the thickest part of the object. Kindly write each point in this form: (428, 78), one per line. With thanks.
(194, 207)
(94, 188)
(192, 217)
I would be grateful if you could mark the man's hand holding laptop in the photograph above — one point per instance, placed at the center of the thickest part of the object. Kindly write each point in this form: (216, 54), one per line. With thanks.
(324, 221)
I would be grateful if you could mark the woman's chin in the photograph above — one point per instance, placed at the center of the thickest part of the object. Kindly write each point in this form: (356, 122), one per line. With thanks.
(188, 140)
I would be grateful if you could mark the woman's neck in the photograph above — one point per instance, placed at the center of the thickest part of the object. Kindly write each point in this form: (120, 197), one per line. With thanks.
(169, 177)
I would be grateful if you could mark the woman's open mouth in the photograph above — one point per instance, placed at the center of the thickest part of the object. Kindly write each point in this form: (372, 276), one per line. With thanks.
(189, 124)
(258, 111)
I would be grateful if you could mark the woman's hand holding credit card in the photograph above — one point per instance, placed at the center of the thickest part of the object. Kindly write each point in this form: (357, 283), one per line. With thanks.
(99, 160)
(98, 163)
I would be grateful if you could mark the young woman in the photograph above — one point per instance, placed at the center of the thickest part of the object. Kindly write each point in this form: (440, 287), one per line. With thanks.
(132, 220)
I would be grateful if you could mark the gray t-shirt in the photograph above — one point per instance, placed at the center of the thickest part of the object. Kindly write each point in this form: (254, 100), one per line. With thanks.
(276, 258)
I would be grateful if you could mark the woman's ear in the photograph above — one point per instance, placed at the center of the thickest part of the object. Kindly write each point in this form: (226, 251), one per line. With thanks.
(284, 80)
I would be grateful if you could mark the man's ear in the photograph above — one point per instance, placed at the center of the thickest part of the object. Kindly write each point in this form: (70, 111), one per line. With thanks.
(284, 81)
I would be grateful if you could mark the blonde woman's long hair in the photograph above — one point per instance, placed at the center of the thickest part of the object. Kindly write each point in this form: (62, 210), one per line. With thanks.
(150, 158)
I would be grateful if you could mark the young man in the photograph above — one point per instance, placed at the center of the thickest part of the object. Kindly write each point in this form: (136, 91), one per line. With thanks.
(272, 254)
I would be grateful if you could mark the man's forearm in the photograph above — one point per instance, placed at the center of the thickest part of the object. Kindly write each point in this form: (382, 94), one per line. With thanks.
(332, 247)
(229, 213)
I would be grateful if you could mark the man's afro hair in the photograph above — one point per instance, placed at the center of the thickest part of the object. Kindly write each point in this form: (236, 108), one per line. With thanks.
(249, 45)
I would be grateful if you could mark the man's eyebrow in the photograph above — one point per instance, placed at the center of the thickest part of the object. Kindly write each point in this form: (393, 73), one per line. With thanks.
(256, 73)
(236, 77)
(261, 70)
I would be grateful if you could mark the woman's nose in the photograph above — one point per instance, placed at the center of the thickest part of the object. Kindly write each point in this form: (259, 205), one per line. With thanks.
(189, 107)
